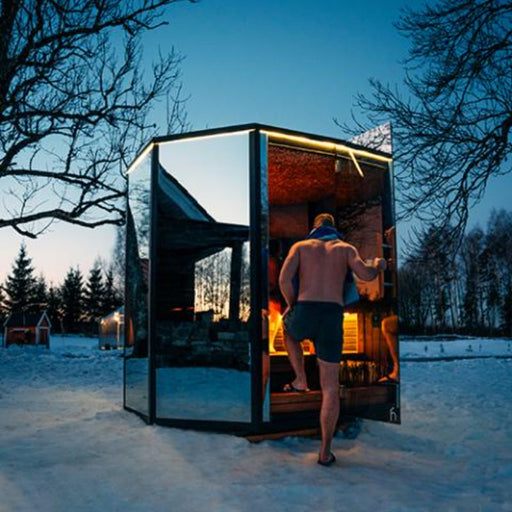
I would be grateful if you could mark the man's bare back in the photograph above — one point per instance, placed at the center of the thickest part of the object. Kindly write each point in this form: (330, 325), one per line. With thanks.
(322, 267)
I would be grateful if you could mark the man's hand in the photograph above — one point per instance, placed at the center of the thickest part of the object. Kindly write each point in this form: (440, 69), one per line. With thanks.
(380, 263)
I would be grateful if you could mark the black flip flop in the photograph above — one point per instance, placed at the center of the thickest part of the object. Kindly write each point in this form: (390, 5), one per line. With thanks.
(290, 388)
(331, 460)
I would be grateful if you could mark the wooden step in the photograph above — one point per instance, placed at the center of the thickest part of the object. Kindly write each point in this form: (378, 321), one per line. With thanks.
(349, 397)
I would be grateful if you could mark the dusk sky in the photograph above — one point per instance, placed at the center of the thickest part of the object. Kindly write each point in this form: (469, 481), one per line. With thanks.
(294, 63)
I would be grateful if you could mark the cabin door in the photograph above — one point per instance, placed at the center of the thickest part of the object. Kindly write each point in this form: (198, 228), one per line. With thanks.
(303, 183)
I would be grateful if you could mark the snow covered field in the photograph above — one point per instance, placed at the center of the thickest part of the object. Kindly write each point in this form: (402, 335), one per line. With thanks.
(67, 445)
(453, 346)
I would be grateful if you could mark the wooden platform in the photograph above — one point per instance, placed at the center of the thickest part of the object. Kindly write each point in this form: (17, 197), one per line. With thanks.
(312, 400)
(307, 432)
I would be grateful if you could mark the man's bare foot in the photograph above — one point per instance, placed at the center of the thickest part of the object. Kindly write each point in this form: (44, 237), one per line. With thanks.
(300, 384)
(296, 386)
(392, 377)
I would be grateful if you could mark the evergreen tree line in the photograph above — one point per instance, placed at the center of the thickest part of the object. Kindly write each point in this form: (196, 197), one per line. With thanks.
(75, 306)
(462, 288)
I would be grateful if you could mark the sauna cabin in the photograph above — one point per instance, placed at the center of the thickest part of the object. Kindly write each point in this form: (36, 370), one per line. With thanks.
(27, 328)
(211, 216)
(111, 330)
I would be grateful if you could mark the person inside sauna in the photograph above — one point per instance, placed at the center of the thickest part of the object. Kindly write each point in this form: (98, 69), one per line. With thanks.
(389, 328)
(311, 282)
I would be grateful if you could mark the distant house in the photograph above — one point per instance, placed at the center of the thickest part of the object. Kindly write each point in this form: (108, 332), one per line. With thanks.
(27, 329)
(111, 331)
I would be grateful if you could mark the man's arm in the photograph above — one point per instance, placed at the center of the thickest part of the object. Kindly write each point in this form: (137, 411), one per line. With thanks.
(288, 271)
(362, 270)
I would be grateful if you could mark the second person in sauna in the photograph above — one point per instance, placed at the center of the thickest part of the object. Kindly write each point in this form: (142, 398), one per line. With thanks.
(311, 281)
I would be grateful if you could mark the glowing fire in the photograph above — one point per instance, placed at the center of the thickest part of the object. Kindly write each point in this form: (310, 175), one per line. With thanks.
(275, 325)
(276, 333)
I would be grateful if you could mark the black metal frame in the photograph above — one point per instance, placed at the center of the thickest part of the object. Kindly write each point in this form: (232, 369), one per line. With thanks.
(258, 127)
(258, 302)
(155, 153)
(255, 330)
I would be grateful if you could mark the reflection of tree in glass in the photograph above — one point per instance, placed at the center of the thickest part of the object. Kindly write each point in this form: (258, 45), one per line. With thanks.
(136, 292)
(353, 220)
(245, 287)
(140, 207)
(212, 278)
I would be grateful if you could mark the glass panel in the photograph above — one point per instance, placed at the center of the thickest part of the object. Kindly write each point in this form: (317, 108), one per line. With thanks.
(203, 291)
(302, 183)
(137, 269)
(264, 223)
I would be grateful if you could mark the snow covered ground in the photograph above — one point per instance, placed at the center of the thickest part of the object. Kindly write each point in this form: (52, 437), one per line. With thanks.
(67, 445)
(453, 346)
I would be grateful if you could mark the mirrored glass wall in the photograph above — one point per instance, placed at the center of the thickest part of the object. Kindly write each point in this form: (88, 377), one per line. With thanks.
(209, 325)
(138, 232)
(202, 296)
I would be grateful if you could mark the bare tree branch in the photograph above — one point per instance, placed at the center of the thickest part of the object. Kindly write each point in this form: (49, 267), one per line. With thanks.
(75, 106)
(452, 127)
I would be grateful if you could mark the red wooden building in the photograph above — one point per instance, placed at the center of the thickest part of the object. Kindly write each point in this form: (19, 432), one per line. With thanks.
(27, 329)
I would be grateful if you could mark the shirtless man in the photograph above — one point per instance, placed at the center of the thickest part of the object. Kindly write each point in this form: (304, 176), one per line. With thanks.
(316, 313)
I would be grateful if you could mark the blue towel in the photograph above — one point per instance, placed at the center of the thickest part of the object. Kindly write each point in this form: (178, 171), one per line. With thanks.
(350, 293)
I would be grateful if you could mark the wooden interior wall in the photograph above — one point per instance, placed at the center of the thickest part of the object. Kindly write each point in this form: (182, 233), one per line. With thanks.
(288, 221)
(297, 177)
(301, 185)
(375, 347)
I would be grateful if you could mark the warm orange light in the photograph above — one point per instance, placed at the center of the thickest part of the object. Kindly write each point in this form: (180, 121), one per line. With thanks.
(330, 146)
(350, 333)
(275, 323)
(276, 331)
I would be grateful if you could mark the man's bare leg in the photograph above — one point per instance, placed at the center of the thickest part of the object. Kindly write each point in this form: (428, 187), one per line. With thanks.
(389, 330)
(296, 357)
(330, 383)
(391, 340)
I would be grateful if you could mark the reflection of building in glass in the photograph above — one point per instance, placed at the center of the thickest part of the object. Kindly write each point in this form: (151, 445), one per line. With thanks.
(211, 217)
(200, 274)
(136, 314)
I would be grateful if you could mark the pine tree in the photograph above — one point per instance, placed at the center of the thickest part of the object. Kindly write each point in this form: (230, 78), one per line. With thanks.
(3, 311)
(40, 294)
(94, 293)
(20, 284)
(54, 309)
(72, 300)
(112, 298)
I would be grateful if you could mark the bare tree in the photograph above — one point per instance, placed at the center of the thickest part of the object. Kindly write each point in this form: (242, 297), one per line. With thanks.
(212, 283)
(452, 121)
(74, 106)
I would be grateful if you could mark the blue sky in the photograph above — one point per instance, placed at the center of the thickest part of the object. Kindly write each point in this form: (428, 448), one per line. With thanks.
(295, 64)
